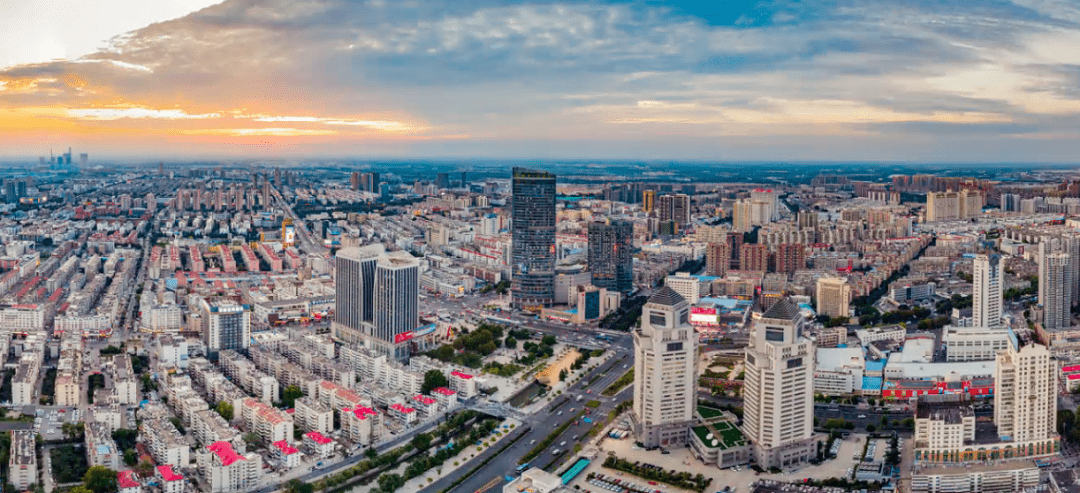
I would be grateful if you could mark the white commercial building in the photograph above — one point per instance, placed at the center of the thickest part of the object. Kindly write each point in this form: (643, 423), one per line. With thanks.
(778, 398)
(665, 379)
(838, 371)
(975, 343)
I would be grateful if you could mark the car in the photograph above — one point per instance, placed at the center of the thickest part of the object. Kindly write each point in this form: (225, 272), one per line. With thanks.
(861, 416)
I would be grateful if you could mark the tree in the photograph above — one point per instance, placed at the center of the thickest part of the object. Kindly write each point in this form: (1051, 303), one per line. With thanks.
(562, 375)
(225, 409)
(371, 453)
(100, 479)
(252, 439)
(871, 428)
(291, 394)
(131, 457)
(433, 379)
(510, 343)
(421, 441)
(145, 468)
(297, 486)
(549, 340)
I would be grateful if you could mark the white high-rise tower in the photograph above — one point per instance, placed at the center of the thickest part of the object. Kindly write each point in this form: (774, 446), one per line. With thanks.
(1055, 286)
(665, 375)
(986, 291)
(1025, 400)
(778, 398)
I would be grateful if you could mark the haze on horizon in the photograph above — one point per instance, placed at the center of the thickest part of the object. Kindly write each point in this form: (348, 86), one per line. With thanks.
(921, 81)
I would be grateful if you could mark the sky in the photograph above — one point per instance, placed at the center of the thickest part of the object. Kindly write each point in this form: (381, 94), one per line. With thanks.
(870, 80)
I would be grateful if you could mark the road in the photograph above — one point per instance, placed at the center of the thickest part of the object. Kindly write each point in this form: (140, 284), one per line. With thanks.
(552, 416)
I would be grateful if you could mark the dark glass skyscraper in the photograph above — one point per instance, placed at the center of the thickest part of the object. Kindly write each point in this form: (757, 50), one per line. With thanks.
(610, 262)
(533, 229)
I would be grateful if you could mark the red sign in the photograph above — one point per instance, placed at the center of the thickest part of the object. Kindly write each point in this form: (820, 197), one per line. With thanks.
(702, 311)
(405, 336)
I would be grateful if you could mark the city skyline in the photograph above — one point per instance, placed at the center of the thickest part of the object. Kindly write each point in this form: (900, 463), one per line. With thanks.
(942, 82)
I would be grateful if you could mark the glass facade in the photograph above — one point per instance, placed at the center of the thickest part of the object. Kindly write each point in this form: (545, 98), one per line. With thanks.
(533, 231)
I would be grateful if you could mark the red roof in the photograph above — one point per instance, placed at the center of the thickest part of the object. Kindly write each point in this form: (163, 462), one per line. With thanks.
(167, 473)
(403, 409)
(318, 437)
(225, 452)
(126, 479)
(444, 391)
(1074, 376)
(425, 400)
(285, 448)
(1070, 369)
(458, 374)
(361, 411)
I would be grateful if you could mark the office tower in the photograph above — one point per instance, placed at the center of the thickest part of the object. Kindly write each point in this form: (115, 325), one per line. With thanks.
(384, 192)
(465, 180)
(717, 259)
(266, 194)
(987, 280)
(833, 296)
(778, 397)
(84, 159)
(354, 284)
(754, 257)
(277, 178)
(1055, 287)
(373, 182)
(442, 180)
(397, 299)
(675, 207)
(790, 257)
(354, 180)
(665, 371)
(610, 261)
(533, 232)
(648, 201)
(1025, 394)
(225, 326)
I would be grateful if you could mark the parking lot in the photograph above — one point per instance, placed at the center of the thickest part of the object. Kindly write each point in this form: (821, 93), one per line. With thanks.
(49, 422)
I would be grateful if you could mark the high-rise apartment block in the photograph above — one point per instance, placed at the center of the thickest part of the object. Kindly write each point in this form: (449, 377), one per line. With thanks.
(988, 278)
(790, 257)
(648, 201)
(533, 231)
(675, 207)
(717, 259)
(833, 296)
(778, 398)
(665, 379)
(610, 255)
(952, 206)
(1055, 287)
(1025, 394)
(754, 257)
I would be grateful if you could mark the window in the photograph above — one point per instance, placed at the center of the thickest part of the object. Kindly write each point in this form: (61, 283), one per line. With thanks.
(658, 319)
(774, 335)
(794, 363)
(674, 346)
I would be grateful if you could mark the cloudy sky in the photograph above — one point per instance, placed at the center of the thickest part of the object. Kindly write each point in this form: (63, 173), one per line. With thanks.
(912, 80)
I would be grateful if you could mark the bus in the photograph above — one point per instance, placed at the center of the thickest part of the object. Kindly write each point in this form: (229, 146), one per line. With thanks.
(522, 468)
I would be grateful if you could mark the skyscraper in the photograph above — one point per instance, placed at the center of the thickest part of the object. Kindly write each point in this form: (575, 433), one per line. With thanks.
(986, 290)
(533, 232)
(277, 178)
(396, 307)
(790, 257)
(442, 180)
(610, 259)
(665, 371)
(754, 257)
(1055, 286)
(778, 398)
(377, 299)
(833, 296)
(717, 259)
(1025, 394)
(354, 180)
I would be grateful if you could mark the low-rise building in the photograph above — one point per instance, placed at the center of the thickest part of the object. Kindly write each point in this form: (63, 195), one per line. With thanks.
(126, 482)
(975, 343)
(463, 383)
(996, 476)
(209, 427)
(887, 332)
(944, 426)
(447, 398)
(166, 444)
(288, 455)
(170, 481)
(101, 450)
(269, 423)
(839, 371)
(312, 415)
(226, 470)
(318, 444)
(537, 481)
(403, 413)
(361, 425)
(22, 460)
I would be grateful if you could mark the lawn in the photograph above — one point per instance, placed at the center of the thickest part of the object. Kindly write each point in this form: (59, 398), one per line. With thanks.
(724, 433)
(709, 412)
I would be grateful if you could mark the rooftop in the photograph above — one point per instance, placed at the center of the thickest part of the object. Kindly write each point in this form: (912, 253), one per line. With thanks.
(949, 412)
(667, 297)
(978, 467)
(167, 473)
(126, 479)
(225, 453)
(318, 437)
(782, 310)
(284, 447)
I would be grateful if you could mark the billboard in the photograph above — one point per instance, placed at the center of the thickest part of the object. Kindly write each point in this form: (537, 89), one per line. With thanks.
(704, 316)
(403, 337)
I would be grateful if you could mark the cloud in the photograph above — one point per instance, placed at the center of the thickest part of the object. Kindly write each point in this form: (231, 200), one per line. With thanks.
(507, 72)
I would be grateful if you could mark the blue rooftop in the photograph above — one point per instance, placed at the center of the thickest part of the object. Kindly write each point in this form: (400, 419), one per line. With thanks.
(875, 365)
(871, 383)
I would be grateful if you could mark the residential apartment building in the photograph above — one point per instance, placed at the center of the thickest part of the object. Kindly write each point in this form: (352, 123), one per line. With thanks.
(226, 470)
